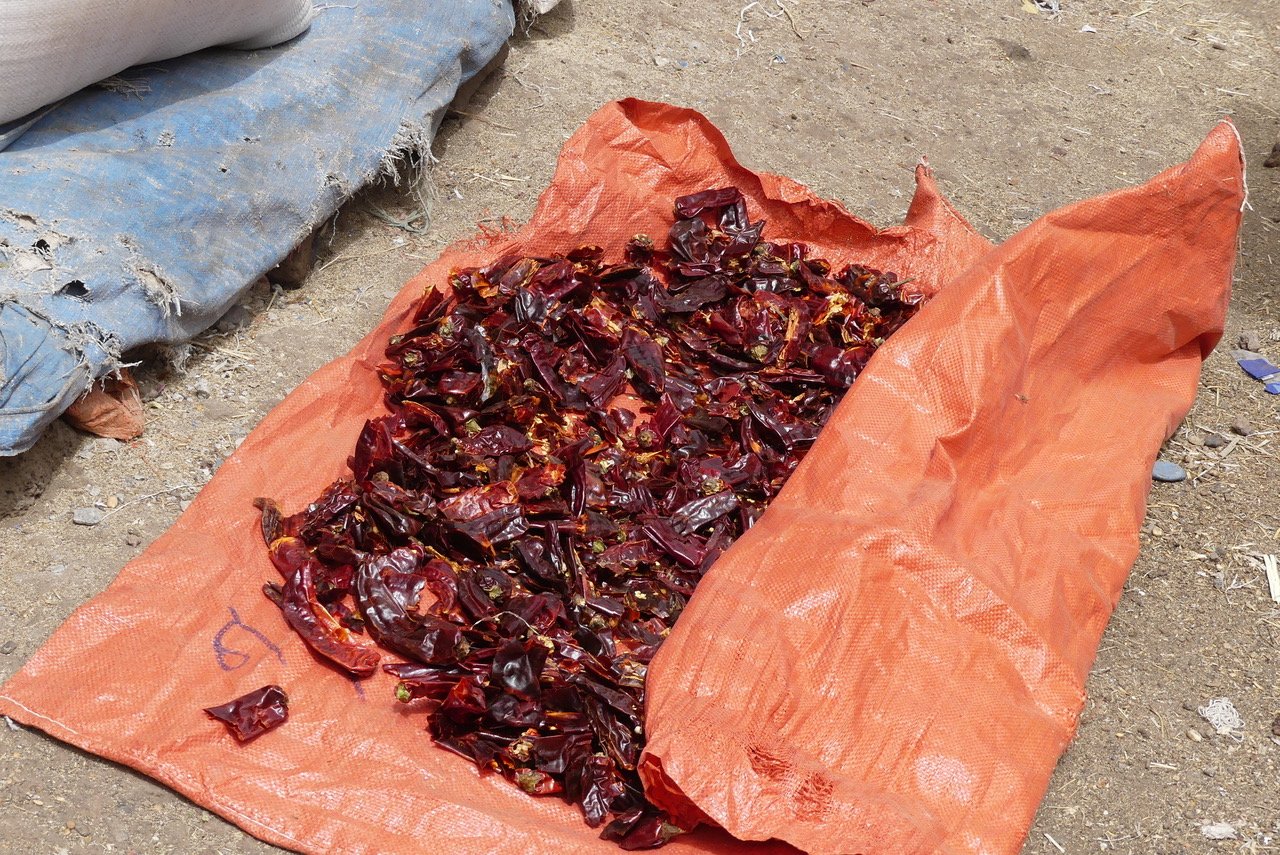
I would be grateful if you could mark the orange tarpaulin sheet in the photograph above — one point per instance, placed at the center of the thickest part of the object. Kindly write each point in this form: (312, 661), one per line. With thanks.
(891, 661)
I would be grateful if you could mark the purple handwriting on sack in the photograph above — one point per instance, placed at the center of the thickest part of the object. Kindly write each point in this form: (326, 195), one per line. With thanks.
(229, 659)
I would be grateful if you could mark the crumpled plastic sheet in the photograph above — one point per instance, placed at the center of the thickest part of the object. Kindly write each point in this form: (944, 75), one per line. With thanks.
(140, 214)
(891, 661)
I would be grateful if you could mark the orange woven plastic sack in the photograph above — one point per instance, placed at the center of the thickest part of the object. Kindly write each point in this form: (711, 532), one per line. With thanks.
(890, 662)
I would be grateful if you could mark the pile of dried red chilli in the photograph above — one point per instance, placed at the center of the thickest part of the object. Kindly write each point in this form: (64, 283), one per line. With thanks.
(570, 445)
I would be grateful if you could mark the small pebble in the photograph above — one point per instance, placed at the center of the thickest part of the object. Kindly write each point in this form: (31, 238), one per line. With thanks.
(1167, 471)
(87, 516)
(1251, 340)
(1157, 531)
(112, 501)
(132, 538)
(97, 445)
(1214, 440)
(1275, 726)
(202, 388)
(1273, 159)
(1241, 426)
(1194, 735)
(8, 647)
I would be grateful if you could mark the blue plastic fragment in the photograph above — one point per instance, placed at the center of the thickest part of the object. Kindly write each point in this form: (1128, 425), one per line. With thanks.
(1168, 471)
(1259, 368)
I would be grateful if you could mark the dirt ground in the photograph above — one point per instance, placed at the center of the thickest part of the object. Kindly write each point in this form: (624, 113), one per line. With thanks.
(1018, 111)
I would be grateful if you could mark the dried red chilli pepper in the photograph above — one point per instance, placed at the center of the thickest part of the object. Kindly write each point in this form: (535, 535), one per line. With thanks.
(249, 716)
(569, 446)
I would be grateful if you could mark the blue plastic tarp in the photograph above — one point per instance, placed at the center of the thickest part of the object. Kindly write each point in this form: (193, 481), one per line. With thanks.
(139, 216)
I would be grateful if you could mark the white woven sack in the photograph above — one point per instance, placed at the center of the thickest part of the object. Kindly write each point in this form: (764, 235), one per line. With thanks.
(51, 48)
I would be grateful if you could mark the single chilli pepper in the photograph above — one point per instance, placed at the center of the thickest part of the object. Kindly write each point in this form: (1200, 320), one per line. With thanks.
(322, 632)
(387, 590)
(249, 716)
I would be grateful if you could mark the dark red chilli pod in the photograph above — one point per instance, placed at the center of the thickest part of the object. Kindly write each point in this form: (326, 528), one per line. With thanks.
(570, 445)
(249, 716)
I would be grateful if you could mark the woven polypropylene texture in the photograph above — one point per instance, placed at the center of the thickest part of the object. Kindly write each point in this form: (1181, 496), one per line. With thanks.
(894, 658)
(834, 682)
(51, 48)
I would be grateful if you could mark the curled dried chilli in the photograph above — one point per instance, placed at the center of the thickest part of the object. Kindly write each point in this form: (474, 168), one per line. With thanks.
(570, 445)
(249, 716)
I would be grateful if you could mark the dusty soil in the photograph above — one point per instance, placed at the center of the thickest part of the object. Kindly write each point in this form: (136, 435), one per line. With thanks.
(1019, 113)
